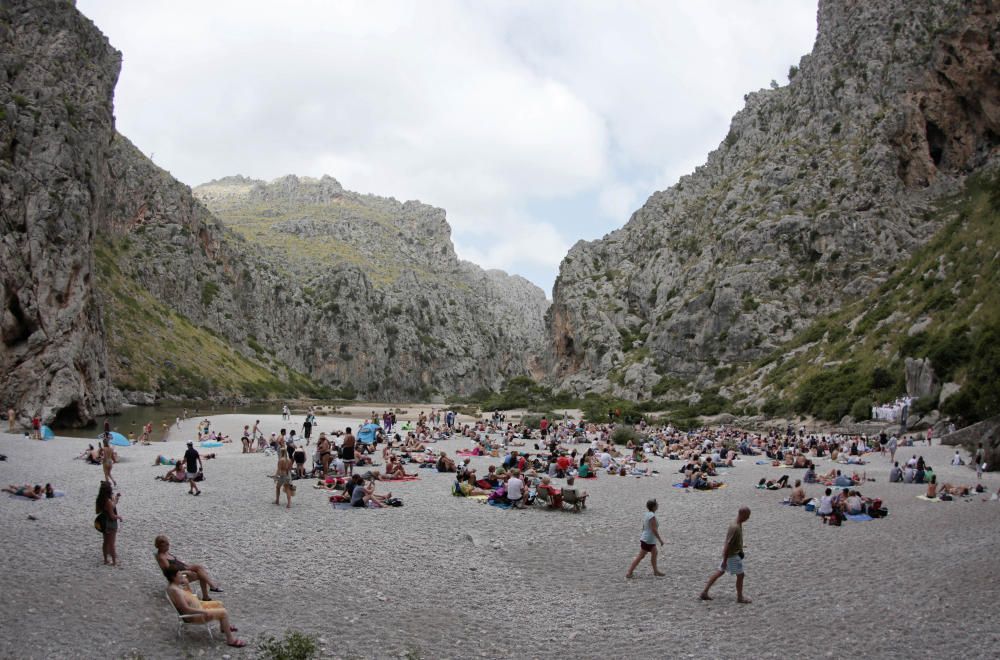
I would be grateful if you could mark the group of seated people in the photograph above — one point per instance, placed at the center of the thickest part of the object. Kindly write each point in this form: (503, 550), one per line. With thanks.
(512, 486)
(834, 505)
(915, 471)
(833, 477)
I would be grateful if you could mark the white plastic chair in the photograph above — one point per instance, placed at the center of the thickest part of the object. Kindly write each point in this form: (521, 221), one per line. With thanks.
(185, 619)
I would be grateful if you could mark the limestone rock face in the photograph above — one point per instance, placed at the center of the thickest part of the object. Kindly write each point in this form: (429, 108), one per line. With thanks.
(820, 187)
(95, 236)
(385, 304)
(55, 123)
(920, 379)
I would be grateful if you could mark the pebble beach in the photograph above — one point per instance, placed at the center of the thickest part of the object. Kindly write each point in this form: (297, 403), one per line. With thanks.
(450, 577)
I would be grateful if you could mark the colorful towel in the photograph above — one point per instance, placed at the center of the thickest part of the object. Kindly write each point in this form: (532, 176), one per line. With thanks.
(500, 505)
(679, 485)
(467, 452)
(406, 478)
(858, 517)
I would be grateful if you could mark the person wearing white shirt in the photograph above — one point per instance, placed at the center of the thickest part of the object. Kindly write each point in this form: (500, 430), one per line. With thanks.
(515, 489)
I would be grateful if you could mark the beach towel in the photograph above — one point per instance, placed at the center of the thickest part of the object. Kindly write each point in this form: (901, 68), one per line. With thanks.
(466, 453)
(210, 444)
(406, 478)
(929, 499)
(117, 439)
(500, 504)
(679, 486)
(858, 517)
(341, 505)
(47, 433)
(762, 463)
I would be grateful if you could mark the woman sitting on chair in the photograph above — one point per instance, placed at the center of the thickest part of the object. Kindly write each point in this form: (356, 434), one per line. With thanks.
(198, 611)
(167, 561)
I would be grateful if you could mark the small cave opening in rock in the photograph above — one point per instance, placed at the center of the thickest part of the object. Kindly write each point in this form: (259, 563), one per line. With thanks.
(566, 346)
(69, 417)
(936, 141)
(20, 330)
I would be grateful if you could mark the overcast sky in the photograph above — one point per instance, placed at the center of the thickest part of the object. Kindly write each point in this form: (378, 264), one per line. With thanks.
(534, 123)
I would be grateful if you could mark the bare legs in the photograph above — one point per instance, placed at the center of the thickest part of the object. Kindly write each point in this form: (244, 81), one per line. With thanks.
(642, 554)
(740, 598)
(199, 573)
(107, 474)
(108, 547)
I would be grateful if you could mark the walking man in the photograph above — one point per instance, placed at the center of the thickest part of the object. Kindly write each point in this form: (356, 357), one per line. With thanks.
(732, 557)
(193, 460)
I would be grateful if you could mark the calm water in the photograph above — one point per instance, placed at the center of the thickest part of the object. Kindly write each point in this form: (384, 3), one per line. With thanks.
(132, 419)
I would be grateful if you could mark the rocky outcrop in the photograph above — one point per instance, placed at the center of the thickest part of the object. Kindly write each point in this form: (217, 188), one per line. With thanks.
(386, 306)
(55, 125)
(819, 188)
(99, 246)
(920, 379)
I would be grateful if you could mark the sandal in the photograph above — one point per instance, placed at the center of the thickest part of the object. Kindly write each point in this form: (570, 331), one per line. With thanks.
(239, 643)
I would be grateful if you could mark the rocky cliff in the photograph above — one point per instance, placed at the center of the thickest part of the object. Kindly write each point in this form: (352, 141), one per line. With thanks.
(387, 306)
(819, 188)
(57, 76)
(114, 274)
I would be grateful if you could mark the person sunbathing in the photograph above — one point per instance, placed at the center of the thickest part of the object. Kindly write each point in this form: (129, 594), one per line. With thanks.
(445, 464)
(932, 488)
(27, 490)
(186, 603)
(176, 475)
(91, 455)
(955, 490)
(394, 469)
(700, 482)
(469, 488)
(166, 561)
(798, 496)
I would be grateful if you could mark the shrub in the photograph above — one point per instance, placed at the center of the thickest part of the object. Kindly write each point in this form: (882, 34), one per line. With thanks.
(622, 435)
(861, 409)
(293, 646)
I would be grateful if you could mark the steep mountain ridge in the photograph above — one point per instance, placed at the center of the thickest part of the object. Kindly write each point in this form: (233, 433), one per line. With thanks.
(819, 187)
(103, 249)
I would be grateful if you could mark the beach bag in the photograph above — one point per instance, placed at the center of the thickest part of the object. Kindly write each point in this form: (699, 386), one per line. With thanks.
(99, 522)
(394, 501)
(945, 497)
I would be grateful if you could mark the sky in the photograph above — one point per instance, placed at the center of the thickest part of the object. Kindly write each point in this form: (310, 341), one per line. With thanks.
(533, 123)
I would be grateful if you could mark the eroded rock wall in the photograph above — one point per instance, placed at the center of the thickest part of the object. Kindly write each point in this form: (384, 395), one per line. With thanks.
(818, 189)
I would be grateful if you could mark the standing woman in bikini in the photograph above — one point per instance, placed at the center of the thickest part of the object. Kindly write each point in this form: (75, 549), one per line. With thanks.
(107, 456)
(107, 508)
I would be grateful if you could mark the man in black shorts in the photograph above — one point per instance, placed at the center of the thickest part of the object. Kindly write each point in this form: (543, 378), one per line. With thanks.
(192, 461)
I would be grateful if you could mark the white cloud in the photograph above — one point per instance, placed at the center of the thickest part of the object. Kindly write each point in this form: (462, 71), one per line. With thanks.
(476, 107)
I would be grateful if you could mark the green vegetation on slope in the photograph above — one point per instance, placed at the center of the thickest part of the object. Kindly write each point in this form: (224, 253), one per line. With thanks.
(942, 304)
(154, 348)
